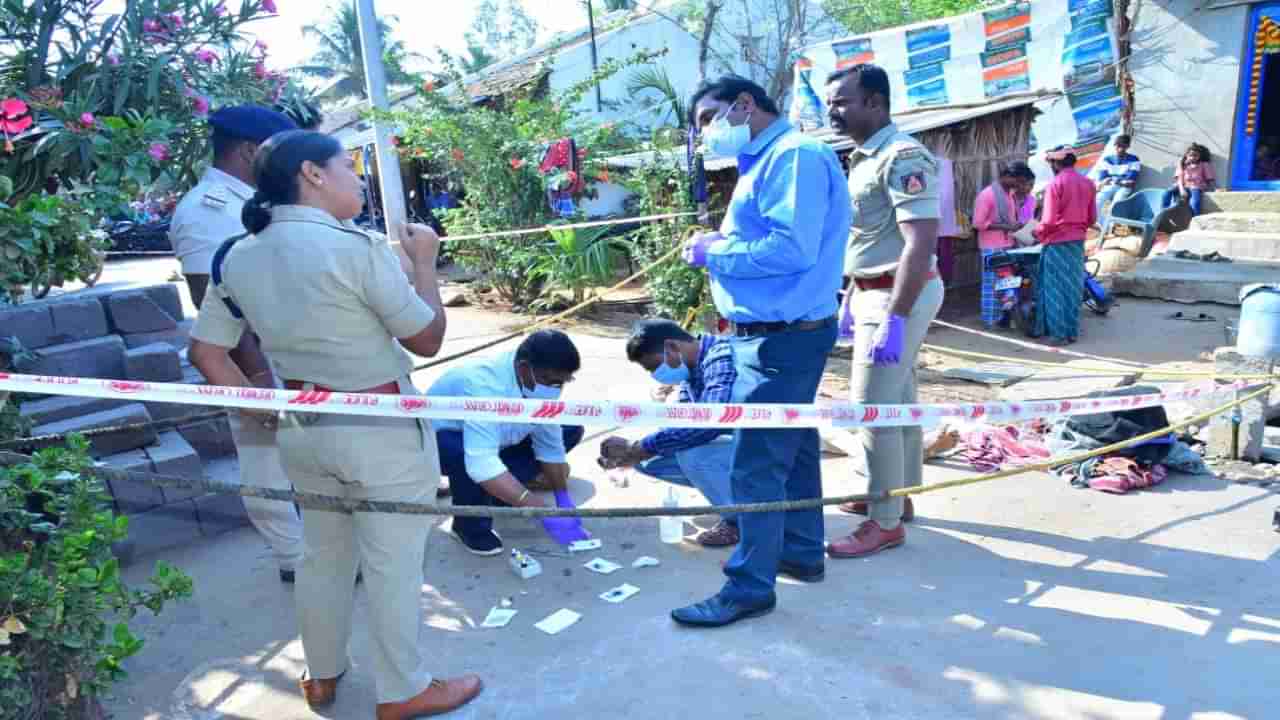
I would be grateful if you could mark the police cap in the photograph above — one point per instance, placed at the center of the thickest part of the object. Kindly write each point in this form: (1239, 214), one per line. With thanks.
(249, 122)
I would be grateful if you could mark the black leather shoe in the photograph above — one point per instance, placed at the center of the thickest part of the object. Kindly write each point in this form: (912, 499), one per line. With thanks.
(716, 611)
(803, 573)
(289, 576)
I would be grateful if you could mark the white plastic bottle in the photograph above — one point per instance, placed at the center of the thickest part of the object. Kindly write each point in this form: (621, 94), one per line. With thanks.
(671, 529)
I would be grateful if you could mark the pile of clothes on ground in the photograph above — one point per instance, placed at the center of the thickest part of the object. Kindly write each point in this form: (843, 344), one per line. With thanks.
(1140, 466)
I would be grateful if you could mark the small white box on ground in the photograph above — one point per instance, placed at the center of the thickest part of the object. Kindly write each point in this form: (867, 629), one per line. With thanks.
(524, 566)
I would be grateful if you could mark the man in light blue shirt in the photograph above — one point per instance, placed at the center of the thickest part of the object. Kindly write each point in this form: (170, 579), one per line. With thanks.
(775, 269)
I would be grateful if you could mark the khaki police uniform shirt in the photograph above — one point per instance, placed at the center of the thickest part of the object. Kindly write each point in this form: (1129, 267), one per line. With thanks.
(326, 300)
(205, 217)
(892, 179)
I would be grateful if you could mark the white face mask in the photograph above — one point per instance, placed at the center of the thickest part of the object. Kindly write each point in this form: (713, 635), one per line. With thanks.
(724, 140)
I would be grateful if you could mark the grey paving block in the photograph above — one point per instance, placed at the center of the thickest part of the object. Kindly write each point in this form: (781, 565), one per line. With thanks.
(125, 551)
(219, 513)
(97, 358)
(109, 443)
(132, 496)
(1249, 437)
(173, 455)
(212, 440)
(1064, 381)
(134, 311)
(170, 411)
(179, 337)
(65, 407)
(157, 362)
(167, 297)
(164, 527)
(75, 320)
(998, 374)
(31, 324)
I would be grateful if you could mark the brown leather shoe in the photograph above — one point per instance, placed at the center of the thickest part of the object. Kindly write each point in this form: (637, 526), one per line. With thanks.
(869, 538)
(320, 693)
(722, 535)
(860, 508)
(441, 696)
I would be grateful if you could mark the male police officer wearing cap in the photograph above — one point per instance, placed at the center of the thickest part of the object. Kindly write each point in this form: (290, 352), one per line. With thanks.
(205, 218)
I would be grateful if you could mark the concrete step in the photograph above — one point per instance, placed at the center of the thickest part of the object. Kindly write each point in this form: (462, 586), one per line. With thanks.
(1192, 281)
(1242, 246)
(110, 443)
(98, 358)
(1246, 222)
(1242, 202)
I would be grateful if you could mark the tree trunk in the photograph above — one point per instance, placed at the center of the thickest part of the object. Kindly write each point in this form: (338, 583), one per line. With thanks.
(704, 43)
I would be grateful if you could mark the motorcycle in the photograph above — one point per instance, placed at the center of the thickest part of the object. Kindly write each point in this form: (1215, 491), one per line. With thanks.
(1013, 290)
(131, 237)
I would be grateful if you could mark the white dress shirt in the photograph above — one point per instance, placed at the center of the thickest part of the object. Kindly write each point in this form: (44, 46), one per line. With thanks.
(493, 377)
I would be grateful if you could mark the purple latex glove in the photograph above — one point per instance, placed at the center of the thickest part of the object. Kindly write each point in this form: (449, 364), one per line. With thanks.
(886, 344)
(565, 530)
(846, 319)
(695, 250)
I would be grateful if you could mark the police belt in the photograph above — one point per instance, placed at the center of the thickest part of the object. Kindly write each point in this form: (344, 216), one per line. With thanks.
(389, 388)
(884, 282)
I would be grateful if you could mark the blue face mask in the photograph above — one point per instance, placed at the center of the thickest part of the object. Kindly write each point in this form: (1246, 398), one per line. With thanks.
(667, 375)
(540, 391)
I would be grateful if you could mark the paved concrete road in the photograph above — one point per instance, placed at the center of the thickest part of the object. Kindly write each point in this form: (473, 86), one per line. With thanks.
(1023, 598)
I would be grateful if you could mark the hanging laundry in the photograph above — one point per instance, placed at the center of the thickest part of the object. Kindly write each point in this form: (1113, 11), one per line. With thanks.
(562, 167)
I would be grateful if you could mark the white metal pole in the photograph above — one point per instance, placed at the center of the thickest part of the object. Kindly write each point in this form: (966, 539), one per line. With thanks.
(393, 207)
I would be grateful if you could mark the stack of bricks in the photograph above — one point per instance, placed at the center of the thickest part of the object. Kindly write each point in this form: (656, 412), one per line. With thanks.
(136, 334)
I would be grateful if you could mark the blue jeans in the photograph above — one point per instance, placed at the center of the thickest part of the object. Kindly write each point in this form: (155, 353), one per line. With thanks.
(520, 462)
(1109, 194)
(705, 467)
(777, 464)
(1195, 198)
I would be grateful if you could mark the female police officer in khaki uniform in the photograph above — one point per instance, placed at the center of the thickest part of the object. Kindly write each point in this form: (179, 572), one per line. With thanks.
(329, 303)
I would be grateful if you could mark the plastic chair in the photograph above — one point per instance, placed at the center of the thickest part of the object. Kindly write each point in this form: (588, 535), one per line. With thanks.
(1141, 211)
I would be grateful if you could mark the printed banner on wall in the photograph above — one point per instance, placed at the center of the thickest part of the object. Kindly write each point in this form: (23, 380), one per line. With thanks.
(1067, 46)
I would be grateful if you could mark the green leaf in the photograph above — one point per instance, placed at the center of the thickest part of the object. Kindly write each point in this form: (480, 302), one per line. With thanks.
(120, 633)
(122, 96)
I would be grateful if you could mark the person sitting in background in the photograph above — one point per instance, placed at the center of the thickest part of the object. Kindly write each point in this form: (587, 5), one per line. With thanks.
(995, 218)
(704, 369)
(1266, 161)
(503, 462)
(1118, 177)
(1194, 177)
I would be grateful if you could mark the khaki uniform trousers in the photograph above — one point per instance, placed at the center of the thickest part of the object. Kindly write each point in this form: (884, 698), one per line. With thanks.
(368, 458)
(260, 464)
(894, 455)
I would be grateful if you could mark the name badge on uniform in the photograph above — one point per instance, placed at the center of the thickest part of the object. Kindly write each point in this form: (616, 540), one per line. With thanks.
(913, 183)
(214, 201)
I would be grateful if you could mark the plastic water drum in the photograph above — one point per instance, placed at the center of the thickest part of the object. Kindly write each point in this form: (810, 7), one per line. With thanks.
(1259, 333)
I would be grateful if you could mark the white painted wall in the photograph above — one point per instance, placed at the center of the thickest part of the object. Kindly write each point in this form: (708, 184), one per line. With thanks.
(1186, 72)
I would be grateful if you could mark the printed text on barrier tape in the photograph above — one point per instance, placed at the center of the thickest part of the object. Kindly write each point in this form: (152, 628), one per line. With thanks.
(346, 505)
(565, 412)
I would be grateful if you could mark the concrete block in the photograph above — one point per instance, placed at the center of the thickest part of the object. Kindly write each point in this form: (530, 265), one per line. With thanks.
(1064, 382)
(1193, 281)
(1250, 436)
(219, 513)
(157, 362)
(109, 443)
(132, 496)
(134, 311)
(173, 455)
(98, 358)
(125, 551)
(31, 324)
(164, 527)
(211, 440)
(167, 297)
(65, 407)
(75, 320)
(179, 337)
(169, 411)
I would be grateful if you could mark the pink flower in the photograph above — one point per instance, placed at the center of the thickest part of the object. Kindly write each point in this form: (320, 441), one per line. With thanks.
(113, 59)
(88, 120)
(14, 117)
(458, 155)
(208, 57)
(158, 151)
(200, 105)
(269, 6)
(516, 163)
(175, 21)
(260, 45)
(220, 9)
(151, 25)
(260, 70)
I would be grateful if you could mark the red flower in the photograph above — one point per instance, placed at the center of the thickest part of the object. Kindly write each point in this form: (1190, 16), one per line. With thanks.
(458, 155)
(603, 175)
(395, 140)
(516, 163)
(572, 177)
(269, 6)
(429, 86)
(15, 117)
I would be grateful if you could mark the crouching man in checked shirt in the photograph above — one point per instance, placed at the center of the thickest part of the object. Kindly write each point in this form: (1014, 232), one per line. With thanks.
(893, 181)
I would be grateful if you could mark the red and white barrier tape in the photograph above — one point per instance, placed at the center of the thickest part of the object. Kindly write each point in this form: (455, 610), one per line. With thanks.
(561, 412)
